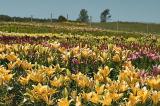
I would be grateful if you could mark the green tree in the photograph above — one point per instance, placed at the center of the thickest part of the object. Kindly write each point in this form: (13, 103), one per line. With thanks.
(83, 16)
(62, 18)
(105, 15)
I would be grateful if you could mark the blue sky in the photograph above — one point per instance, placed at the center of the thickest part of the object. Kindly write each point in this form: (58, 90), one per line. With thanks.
(123, 10)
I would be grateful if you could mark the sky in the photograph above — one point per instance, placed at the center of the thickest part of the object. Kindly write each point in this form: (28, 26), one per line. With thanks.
(122, 10)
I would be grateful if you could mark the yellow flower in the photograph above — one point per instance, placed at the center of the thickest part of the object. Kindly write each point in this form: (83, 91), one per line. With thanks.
(57, 82)
(2, 56)
(62, 49)
(154, 83)
(23, 80)
(95, 98)
(85, 53)
(55, 45)
(1, 48)
(87, 96)
(116, 96)
(135, 90)
(117, 49)
(11, 65)
(78, 101)
(104, 72)
(104, 55)
(26, 66)
(116, 58)
(112, 87)
(123, 86)
(155, 97)
(43, 89)
(41, 92)
(37, 76)
(128, 64)
(12, 57)
(75, 50)
(107, 100)
(57, 68)
(99, 89)
(74, 94)
(144, 94)
(133, 100)
(49, 71)
(64, 102)
(81, 79)
(98, 77)
(7, 77)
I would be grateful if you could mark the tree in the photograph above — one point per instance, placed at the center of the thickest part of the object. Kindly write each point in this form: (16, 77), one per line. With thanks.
(62, 18)
(83, 16)
(105, 15)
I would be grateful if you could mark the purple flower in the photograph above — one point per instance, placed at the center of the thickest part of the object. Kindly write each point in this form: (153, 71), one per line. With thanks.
(156, 70)
(143, 74)
(75, 61)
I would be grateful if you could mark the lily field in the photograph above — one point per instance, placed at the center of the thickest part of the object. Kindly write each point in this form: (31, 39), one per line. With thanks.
(74, 64)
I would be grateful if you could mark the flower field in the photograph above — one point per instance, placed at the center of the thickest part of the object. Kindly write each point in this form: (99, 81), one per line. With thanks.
(77, 70)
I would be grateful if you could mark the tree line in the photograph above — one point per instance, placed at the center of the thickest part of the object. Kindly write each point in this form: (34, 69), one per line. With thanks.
(83, 17)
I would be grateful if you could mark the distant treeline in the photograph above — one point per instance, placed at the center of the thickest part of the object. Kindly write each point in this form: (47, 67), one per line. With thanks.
(24, 19)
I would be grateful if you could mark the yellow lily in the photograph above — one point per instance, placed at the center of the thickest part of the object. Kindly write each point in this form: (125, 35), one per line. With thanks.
(155, 97)
(107, 100)
(23, 80)
(116, 58)
(64, 102)
(100, 89)
(12, 57)
(95, 98)
(104, 72)
(144, 94)
(133, 100)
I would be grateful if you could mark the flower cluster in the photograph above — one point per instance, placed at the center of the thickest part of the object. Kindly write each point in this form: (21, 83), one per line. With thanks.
(51, 74)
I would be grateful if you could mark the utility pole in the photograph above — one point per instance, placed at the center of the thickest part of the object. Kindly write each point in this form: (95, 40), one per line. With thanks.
(51, 17)
(147, 28)
(117, 25)
(31, 18)
(14, 20)
(90, 20)
(67, 16)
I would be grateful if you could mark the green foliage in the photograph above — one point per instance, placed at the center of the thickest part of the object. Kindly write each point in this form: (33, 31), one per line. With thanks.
(83, 16)
(62, 18)
(105, 15)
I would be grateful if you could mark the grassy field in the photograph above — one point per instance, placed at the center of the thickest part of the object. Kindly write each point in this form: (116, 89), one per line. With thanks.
(130, 27)
(96, 29)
